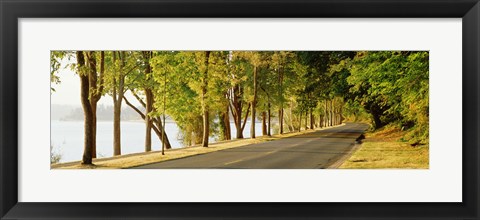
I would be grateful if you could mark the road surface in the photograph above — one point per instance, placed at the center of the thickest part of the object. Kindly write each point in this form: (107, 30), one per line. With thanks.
(318, 149)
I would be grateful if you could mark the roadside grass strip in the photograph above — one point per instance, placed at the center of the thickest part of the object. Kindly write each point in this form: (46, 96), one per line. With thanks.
(383, 149)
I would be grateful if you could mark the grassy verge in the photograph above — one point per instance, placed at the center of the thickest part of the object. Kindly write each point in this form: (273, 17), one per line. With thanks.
(137, 159)
(382, 149)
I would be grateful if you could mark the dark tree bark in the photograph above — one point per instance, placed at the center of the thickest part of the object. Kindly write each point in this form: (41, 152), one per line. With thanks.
(147, 55)
(236, 106)
(280, 119)
(118, 92)
(148, 120)
(280, 111)
(225, 122)
(306, 120)
(320, 122)
(341, 114)
(206, 122)
(264, 123)
(87, 109)
(376, 114)
(312, 120)
(245, 119)
(326, 114)
(95, 91)
(331, 113)
(300, 122)
(269, 121)
(254, 102)
(93, 97)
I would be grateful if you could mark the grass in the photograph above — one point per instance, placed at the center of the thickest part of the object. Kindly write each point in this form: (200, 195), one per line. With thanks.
(382, 149)
(137, 159)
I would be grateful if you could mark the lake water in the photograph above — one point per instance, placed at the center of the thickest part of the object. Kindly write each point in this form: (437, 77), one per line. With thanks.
(67, 137)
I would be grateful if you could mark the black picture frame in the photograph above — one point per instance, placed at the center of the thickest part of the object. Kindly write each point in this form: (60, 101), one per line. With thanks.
(12, 10)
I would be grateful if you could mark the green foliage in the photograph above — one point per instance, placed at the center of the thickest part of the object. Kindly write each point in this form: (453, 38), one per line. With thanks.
(394, 87)
(56, 58)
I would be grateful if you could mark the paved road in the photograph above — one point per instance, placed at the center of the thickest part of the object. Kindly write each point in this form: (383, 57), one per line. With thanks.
(318, 149)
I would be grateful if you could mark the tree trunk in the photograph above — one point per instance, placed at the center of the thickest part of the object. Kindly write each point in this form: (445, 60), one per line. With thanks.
(280, 119)
(93, 97)
(280, 110)
(148, 120)
(341, 114)
(147, 55)
(236, 106)
(300, 123)
(254, 102)
(264, 123)
(331, 112)
(269, 121)
(320, 121)
(87, 110)
(238, 126)
(312, 121)
(93, 106)
(117, 106)
(226, 121)
(306, 120)
(116, 129)
(206, 121)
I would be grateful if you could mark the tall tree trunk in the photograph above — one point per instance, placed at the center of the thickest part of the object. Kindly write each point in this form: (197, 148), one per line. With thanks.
(312, 121)
(280, 110)
(93, 106)
(254, 102)
(118, 91)
(148, 120)
(331, 112)
(116, 129)
(341, 114)
(291, 127)
(236, 106)
(320, 118)
(280, 119)
(147, 55)
(206, 121)
(93, 97)
(226, 121)
(306, 120)
(238, 126)
(87, 110)
(269, 121)
(325, 117)
(300, 122)
(264, 123)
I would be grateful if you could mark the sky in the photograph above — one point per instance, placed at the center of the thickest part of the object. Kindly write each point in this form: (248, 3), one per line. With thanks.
(67, 92)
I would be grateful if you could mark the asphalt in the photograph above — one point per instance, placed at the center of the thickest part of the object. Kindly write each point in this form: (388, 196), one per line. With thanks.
(315, 150)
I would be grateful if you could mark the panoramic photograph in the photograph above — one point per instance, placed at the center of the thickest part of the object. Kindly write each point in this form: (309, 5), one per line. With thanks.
(239, 109)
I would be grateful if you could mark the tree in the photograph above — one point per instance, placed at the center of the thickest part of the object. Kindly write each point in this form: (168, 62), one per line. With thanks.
(238, 67)
(87, 110)
(123, 64)
(206, 122)
(96, 91)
